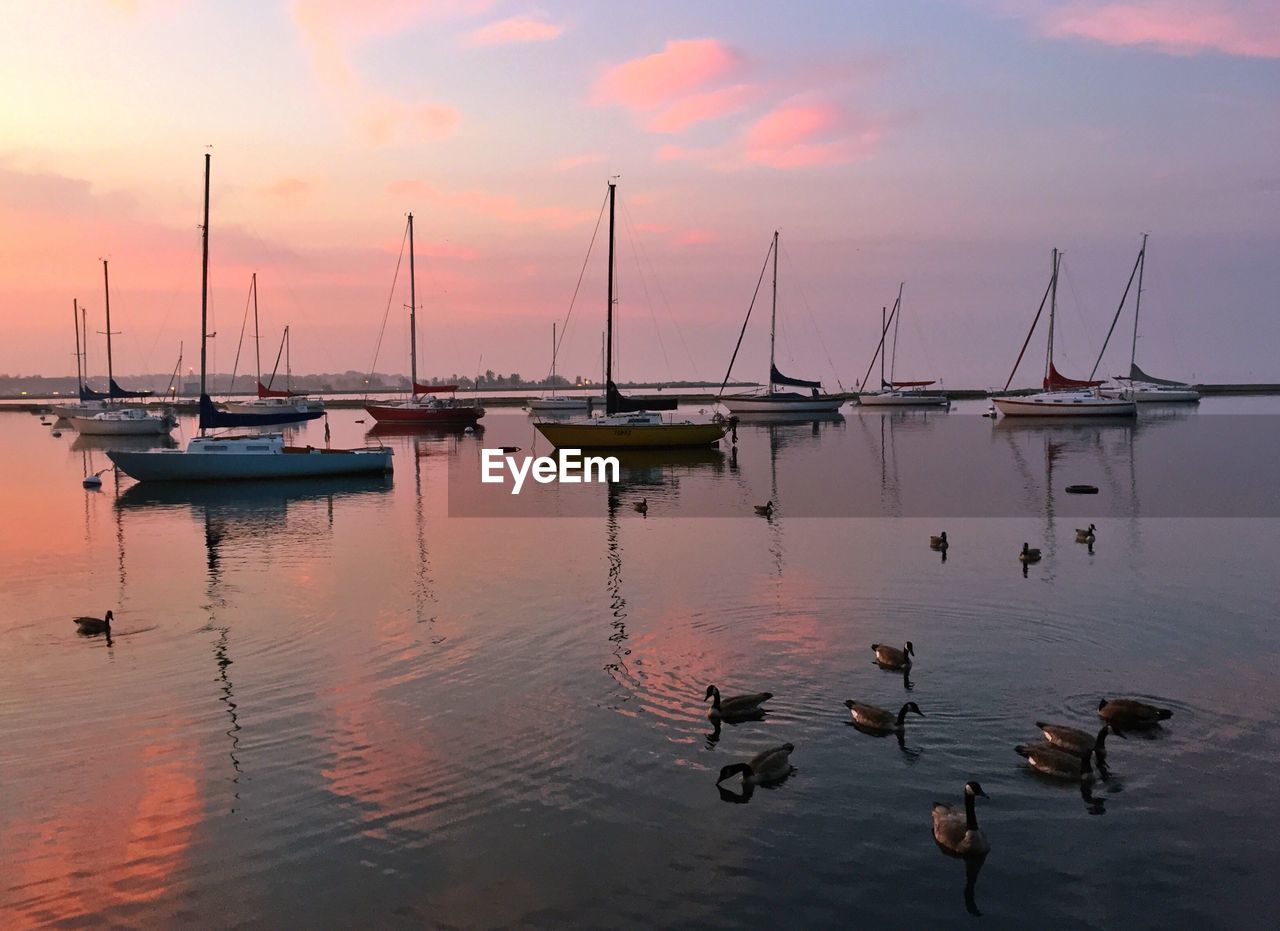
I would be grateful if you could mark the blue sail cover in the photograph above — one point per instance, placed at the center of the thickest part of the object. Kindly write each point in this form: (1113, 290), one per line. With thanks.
(779, 379)
(616, 403)
(88, 394)
(211, 418)
(1137, 374)
(118, 392)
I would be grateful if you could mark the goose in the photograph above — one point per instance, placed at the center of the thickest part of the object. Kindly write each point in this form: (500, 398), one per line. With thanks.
(642, 505)
(1086, 535)
(735, 706)
(767, 766)
(1054, 761)
(1128, 713)
(1074, 740)
(939, 542)
(766, 509)
(888, 657)
(880, 720)
(958, 832)
(1028, 554)
(93, 625)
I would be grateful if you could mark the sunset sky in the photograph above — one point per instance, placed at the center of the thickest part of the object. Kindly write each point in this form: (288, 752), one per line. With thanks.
(948, 144)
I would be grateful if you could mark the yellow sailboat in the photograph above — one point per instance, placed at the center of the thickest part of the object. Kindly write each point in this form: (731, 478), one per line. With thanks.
(628, 423)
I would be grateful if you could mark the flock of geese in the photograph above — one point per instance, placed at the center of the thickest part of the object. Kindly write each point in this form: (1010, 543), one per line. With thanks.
(1062, 752)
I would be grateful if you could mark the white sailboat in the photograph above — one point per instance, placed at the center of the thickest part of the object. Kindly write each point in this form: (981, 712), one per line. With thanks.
(777, 402)
(82, 407)
(897, 393)
(1138, 386)
(220, 457)
(269, 400)
(1062, 397)
(114, 419)
(553, 401)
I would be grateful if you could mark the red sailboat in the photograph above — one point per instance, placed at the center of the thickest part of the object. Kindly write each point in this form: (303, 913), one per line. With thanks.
(424, 407)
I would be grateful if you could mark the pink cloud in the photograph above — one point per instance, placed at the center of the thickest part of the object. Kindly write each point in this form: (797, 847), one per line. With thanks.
(698, 108)
(1176, 27)
(682, 67)
(514, 30)
(800, 135)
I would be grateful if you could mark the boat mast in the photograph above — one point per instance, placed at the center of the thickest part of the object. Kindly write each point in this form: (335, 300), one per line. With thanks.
(608, 333)
(106, 288)
(1142, 265)
(884, 334)
(75, 323)
(773, 319)
(257, 342)
(553, 358)
(1053, 304)
(204, 282)
(84, 328)
(288, 367)
(413, 318)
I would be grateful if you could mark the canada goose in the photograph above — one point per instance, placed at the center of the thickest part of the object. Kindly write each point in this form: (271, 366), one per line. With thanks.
(880, 720)
(1054, 761)
(958, 832)
(1086, 535)
(642, 505)
(1028, 554)
(1127, 713)
(736, 706)
(766, 766)
(939, 542)
(888, 657)
(93, 625)
(1076, 741)
(765, 510)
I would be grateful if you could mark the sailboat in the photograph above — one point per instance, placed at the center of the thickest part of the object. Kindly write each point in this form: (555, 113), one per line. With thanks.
(114, 419)
(1139, 386)
(270, 401)
(776, 402)
(628, 423)
(221, 457)
(553, 401)
(897, 393)
(81, 407)
(1062, 396)
(423, 408)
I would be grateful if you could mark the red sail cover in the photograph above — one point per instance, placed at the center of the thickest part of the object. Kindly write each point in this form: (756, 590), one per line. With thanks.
(1056, 381)
(265, 392)
(433, 389)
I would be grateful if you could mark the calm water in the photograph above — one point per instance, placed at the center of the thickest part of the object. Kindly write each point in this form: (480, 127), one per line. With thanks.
(335, 705)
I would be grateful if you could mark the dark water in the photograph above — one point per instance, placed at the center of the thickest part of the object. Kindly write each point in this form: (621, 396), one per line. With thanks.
(334, 705)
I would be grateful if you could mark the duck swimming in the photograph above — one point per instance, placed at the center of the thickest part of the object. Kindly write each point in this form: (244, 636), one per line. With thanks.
(1128, 713)
(772, 765)
(880, 720)
(735, 706)
(888, 657)
(93, 625)
(957, 831)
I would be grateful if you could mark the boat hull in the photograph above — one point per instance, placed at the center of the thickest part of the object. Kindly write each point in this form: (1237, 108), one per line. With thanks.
(903, 399)
(560, 404)
(1068, 405)
(293, 462)
(423, 415)
(631, 436)
(782, 403)
(150, 426)
(1155, 395)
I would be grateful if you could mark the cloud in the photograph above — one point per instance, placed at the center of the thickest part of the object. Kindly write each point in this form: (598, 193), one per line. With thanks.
(681, 67)
(698, 108)
(514, 30)
(1246, 28)
(333, 31)
(797, 133)
(1176, 27)
(697, 237)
